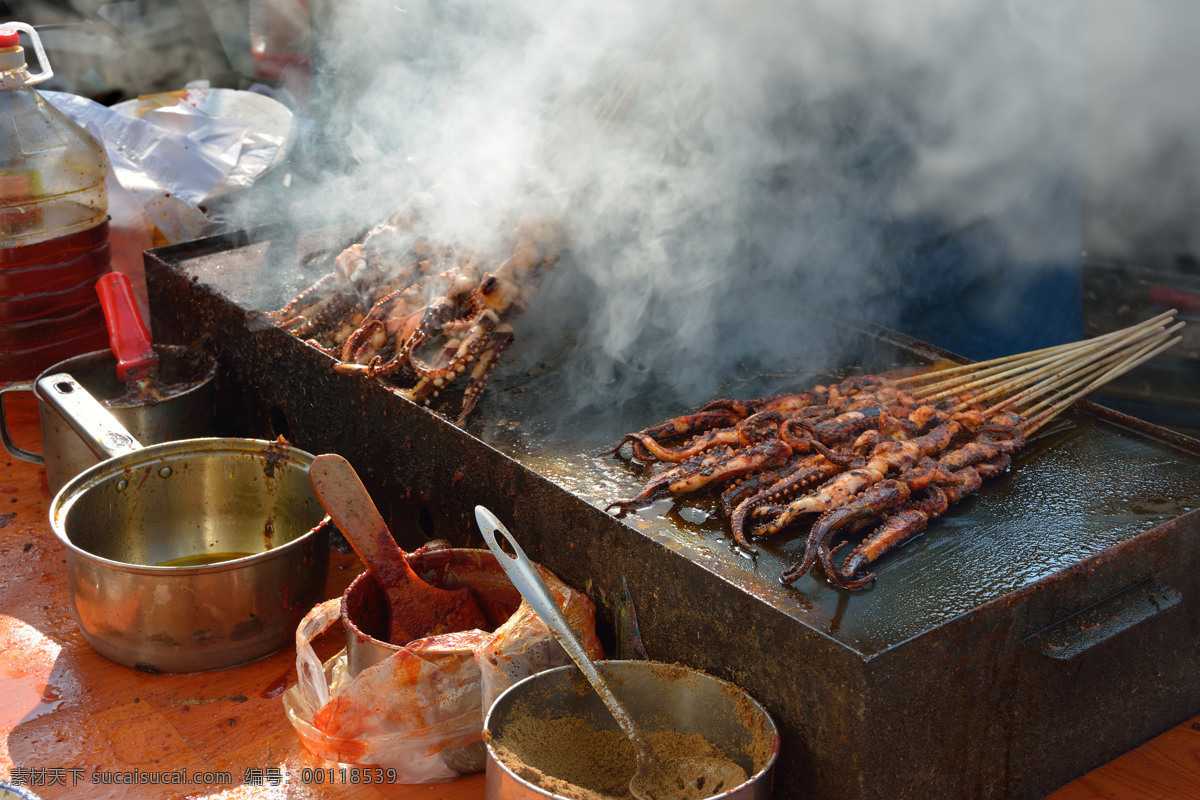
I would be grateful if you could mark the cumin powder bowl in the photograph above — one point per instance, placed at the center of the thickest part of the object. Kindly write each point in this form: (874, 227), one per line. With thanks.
(551, 736)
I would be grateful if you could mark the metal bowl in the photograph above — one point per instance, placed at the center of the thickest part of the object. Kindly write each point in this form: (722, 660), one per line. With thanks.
(364, 605)
(659, 696)
(365, 619)
(10, 791)
(138, 530)
(186, 556)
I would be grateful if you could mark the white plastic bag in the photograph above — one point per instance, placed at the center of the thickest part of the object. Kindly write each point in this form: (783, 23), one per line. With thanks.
(421, 710)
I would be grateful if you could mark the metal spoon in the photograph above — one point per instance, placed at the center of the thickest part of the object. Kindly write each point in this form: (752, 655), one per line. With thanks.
(654, 779)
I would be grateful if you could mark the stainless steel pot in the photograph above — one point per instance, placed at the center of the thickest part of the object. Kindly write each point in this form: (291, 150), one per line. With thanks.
(364, 610)
(186, 556)
(186, 413)
(364, 614)
(666, 696)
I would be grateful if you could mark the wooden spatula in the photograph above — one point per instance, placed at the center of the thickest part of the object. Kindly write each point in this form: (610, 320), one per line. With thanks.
(417, 608)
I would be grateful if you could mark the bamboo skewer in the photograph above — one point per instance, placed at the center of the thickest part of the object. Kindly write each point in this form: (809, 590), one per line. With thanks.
(1096, 366)
(1040, 384)
(1055, 378)
(1037, 422)
(1031, 355)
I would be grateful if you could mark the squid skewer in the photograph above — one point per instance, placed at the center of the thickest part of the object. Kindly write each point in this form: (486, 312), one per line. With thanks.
(995, 443)
(397, 306)
(905, 524)
(887, 456)
(764, 448)
(892, 475)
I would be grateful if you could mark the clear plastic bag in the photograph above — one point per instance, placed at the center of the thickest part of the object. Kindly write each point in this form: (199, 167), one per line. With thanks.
(420, 710)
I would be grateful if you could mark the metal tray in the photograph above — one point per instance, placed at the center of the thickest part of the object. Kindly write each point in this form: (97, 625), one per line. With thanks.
(1041, 628)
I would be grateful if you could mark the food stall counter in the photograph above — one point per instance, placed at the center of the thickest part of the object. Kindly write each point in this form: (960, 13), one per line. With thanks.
(75, 724)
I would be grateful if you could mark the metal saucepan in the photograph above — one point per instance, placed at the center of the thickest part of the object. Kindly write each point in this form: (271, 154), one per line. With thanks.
(658, 776)
(364, 615)
(186, 556)
(184, 413)
(667, 696)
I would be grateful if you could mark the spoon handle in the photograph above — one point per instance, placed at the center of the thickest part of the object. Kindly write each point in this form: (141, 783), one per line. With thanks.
(127, 334)
(525, 577)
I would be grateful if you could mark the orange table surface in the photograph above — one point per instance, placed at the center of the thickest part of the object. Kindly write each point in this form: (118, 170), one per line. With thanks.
(68, 714)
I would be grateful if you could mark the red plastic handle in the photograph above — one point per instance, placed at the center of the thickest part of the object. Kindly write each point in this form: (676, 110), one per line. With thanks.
(1174, 297)
(127, 335)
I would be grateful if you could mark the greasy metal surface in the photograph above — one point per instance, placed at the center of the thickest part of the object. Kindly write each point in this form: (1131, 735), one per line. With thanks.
(1116, 293)
(1081, 487)
(1163, 390)
(919, 687)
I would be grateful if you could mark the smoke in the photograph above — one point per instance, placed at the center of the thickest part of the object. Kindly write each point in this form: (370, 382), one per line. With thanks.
(728, 171)
(1143, 132)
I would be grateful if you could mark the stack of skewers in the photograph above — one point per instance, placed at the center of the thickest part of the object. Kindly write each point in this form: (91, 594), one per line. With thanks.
(399, 305)
(873, 459)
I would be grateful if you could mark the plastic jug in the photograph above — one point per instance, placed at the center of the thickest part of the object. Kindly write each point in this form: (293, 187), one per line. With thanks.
(53, 222)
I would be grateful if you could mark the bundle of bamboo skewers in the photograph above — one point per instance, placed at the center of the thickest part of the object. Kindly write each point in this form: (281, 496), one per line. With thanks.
(1040, 384)
(876, 454)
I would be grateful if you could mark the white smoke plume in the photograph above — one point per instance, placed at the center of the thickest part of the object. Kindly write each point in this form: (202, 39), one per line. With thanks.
(1142, 142)
(726, 169)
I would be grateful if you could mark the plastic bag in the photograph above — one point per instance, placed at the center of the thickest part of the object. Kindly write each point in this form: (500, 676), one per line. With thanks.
(420, 711)
(176, 153)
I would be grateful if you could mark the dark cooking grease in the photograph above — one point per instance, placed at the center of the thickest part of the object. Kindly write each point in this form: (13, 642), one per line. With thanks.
(148, 392)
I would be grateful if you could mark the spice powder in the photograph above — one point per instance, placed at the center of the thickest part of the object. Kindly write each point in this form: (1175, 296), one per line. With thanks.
(570, 757)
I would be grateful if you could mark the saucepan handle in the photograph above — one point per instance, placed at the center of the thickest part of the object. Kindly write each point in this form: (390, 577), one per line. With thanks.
(1102, 621)
(99, 429)
(5, 436)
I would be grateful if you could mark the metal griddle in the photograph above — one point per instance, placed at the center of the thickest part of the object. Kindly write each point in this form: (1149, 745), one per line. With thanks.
(1039, 629)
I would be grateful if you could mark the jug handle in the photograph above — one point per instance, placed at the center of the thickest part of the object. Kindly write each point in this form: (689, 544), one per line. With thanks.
(44, 62)
(9, 445)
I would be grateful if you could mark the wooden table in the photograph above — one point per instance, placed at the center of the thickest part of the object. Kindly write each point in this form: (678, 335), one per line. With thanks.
(69, 717)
